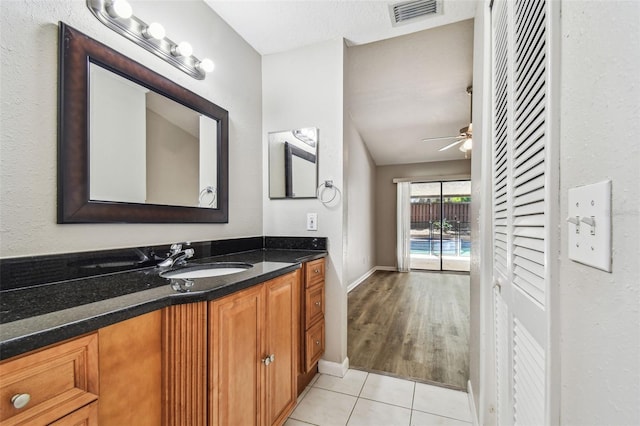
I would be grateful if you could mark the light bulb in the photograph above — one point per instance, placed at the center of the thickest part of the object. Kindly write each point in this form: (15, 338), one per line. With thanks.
(205, 65)
(154, 30)
(182, 49)
(467, 145)
(120, 9)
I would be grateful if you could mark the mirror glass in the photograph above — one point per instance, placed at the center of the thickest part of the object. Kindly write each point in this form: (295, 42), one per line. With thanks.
(293, 163)
(146, 148)
(134, 146)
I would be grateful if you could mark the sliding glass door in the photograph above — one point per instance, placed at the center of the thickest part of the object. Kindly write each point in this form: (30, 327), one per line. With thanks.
(456, 243)
(440, 231)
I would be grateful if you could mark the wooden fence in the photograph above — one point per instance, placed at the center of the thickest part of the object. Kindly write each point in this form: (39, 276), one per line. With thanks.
(423, 213)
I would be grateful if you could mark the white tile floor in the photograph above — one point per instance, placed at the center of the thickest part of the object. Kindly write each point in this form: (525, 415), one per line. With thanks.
(361, 398)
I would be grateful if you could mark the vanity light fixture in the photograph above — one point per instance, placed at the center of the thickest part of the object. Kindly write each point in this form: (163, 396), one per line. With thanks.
(118, 15)
(119, 9)
(307, 135)
(154, 30)
(206, 65)
(182, 49)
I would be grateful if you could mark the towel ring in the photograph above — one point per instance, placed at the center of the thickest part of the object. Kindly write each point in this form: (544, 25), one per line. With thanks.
(209, 190)
(324, 186)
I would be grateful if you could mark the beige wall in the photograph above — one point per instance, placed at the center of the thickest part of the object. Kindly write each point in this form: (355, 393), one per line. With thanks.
(360, 173)
(28, 114)
(304, 88)
(386, 199)
(171, 156)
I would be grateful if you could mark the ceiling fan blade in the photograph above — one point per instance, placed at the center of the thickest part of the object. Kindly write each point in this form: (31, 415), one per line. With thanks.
(440, 138)
(451, 145)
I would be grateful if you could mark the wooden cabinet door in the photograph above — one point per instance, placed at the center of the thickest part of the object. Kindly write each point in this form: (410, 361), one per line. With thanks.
(131, 372)
(236, 370)
(281, 333)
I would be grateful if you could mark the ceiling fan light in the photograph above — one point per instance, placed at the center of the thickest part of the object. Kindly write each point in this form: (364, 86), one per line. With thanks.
(467, 145)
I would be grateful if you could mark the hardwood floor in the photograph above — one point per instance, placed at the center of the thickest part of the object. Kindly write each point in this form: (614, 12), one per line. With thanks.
(413, 325)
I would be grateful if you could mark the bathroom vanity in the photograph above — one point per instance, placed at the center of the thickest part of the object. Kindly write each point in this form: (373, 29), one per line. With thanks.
(231, 349)
(135, 336)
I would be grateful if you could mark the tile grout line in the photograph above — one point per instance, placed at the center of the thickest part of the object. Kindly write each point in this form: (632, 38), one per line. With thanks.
(442, 415)
(308, 388)
(385, 403)
(359, 396)
(331, 390)
(363, 383)
(357, 399)
(413, 399)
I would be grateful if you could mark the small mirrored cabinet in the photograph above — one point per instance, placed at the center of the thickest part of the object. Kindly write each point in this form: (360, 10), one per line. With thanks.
(293, 163)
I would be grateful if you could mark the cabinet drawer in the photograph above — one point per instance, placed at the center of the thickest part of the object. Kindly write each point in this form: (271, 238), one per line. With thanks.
(314, 344)
(58, 380)
(314, 272)
(314, 305)
(85, 416)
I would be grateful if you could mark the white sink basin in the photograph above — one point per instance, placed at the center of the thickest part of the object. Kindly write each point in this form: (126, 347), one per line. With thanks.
(207, 270)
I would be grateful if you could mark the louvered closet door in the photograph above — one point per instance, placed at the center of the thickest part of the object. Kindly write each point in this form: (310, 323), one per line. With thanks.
(521, 199)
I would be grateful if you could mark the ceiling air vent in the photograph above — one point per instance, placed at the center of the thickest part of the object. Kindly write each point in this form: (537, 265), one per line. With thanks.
(405, 12)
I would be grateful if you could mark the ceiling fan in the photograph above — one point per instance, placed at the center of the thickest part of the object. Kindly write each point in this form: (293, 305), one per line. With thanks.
(466, 133)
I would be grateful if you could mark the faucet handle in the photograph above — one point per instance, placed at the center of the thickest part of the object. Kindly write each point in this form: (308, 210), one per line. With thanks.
(189, 253)
(176, 248)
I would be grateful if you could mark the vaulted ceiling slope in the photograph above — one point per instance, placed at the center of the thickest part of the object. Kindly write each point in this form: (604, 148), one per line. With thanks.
(405, 82)
(405, 89)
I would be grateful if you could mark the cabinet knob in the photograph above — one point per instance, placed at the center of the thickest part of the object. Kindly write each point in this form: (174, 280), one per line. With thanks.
(269, 359)
(317, 271)
(318, 303)
(318, 342)
(20, 400)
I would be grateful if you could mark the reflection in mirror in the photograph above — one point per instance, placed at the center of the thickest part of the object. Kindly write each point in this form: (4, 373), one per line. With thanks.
(146, 148)
(134, 171)
(293, 163)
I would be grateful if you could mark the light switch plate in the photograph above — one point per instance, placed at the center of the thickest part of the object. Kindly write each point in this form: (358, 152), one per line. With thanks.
(312, 221)
(589, 224)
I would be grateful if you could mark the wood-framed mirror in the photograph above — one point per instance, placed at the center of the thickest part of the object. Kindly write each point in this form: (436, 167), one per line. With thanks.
(133, 146)
(293, 163)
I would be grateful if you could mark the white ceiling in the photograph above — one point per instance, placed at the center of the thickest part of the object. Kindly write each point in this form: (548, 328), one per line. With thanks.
(407, 87)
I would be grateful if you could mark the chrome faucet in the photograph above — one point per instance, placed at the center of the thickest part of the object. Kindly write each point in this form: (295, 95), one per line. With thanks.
(177, 256)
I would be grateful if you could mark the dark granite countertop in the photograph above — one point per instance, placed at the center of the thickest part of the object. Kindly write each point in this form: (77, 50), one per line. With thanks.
(34, 317)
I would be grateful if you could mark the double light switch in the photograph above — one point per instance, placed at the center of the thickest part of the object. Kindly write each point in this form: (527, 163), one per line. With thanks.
(589, 223)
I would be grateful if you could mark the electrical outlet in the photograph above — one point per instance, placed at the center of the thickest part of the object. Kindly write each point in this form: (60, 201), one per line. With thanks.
(312, 221)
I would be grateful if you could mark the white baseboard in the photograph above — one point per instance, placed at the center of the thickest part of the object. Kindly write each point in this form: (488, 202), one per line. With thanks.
(472, 405)
(367, 274)
(333, 368)
(386, 268)
(360, 280)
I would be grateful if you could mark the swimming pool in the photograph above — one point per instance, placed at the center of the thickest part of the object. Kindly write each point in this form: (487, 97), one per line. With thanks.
(432, 246)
